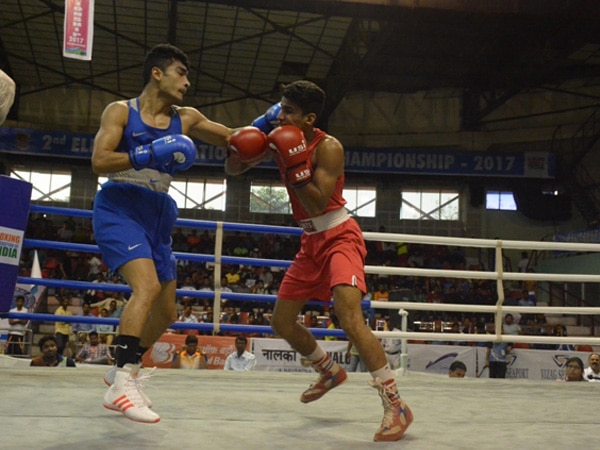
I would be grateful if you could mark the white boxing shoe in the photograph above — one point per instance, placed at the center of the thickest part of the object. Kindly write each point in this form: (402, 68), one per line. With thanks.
(125, 396)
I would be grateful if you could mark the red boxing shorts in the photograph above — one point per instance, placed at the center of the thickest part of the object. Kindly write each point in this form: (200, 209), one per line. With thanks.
(325, 260)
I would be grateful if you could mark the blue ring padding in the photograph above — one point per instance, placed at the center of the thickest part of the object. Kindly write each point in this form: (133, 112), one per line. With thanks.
(188, 223)
(235, 296)
(176, 325)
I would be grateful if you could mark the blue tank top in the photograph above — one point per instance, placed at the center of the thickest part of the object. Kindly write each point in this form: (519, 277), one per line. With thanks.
(136, 133)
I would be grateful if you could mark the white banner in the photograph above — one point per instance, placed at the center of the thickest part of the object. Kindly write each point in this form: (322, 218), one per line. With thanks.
(277, 355)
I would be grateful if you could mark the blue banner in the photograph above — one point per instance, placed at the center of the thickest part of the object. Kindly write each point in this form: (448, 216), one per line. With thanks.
(422, 161)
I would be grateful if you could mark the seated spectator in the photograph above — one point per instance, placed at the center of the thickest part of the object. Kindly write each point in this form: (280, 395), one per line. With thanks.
(190, 356)
(509, 326)
(573, 370)
(83, 329)
(457, 369)
(561, 330)
(188, 317)
(240, 360)
(94, 351)
(50, 356)
(105, 331)
(592, 373)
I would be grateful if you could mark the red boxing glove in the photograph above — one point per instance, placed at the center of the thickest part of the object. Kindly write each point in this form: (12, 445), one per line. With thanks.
(249, 143)
(288, 143)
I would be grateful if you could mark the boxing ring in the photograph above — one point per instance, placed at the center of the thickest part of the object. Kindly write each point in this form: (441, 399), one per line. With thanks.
(261, 410)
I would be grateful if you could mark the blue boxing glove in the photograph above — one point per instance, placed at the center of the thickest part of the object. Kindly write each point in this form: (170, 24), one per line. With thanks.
(268, 121)
(166, 154)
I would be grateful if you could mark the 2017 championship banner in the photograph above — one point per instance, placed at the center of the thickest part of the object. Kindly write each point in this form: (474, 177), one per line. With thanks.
(424, 161)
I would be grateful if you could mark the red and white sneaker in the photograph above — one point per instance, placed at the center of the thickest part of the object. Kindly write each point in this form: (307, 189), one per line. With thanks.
(326, 381)
(125, 396)
(397, 416)
(109, 379)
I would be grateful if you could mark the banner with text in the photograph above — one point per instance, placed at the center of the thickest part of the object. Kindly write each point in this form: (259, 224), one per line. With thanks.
(423, 161)
(277, 355)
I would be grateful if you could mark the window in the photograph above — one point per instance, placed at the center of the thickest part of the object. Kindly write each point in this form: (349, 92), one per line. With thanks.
(269, 198)
(361, 201)
(500, 200)
(48, 185)
(199, 194)
(194, 193)
(430, 205)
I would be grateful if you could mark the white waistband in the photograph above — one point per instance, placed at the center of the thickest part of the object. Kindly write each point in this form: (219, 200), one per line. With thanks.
(325, 222)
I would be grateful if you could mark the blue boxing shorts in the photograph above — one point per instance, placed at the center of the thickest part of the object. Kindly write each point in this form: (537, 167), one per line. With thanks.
(132, 222)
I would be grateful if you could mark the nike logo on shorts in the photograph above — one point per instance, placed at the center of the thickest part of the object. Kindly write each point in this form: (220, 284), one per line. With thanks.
(131, 247)
(124, 347)
(139, 133)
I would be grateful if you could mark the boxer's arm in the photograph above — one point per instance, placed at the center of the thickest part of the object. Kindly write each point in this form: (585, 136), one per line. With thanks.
(198, 126)
(328, 165)
(105, 158)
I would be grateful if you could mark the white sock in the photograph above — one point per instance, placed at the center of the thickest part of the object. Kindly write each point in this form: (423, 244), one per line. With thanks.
(384, 374)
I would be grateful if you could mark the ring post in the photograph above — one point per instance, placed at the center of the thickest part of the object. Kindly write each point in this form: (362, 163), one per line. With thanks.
(15, 196)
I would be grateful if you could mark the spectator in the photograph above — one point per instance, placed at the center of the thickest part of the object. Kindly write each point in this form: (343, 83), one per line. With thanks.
(457, 369)
(392, 346)
(16, 332)
(240, 360)
(592, 372)
(105, 331)
(194, 242)
(382, 294)
(95, 295)
(179, 241)
(50, 356)
(523, 262)
(188, 317)
(94, 351)
(65, 233)
(561, 330)
(355, 364)
(530, 286)
(62, 330)
(190, 356)
(83, 328)
(573, 370)
(509, 326)
(233, 275)
(496, 358)
(95, 267)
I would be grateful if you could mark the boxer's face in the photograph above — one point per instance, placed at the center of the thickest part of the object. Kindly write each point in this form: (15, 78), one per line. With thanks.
(174, 81)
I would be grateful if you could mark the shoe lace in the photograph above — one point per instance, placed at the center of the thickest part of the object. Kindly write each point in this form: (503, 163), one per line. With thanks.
(389, 397)
(141, 380)
(133, 392)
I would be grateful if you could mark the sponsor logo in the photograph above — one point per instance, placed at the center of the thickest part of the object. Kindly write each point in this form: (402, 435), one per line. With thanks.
(138, 133)
(132, 247)
(124, 347)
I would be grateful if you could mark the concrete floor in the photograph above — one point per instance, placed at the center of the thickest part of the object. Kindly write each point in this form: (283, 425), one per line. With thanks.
(61, 408)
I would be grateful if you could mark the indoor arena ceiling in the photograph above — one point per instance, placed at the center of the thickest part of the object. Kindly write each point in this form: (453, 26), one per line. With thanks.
(245, 49)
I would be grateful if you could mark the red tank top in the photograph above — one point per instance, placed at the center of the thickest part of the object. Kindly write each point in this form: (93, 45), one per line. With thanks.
(335, 202)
